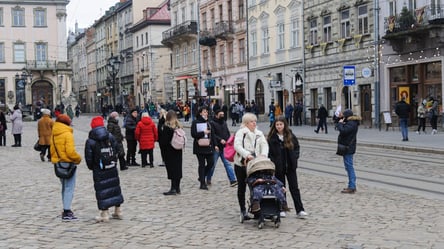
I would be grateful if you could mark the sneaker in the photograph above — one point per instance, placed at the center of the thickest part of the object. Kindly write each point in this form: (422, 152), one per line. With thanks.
(348, 191)
(301, 215)
(68, 216)
(417, 132)
(233, 183)
(282, 214)
(434, 132)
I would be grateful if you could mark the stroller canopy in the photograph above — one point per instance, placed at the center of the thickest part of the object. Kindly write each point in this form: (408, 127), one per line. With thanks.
(259, 163)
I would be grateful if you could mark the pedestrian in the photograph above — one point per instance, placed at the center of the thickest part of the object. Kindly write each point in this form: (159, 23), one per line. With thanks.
(146, 135)
(249, 143)
(432, 109)
(70, 112)
(347, 126)
(3, 128)
(63, 150)
(17, 126)
(288, 113)
(421, 113)
(173, 157)
(77, 110)
(233, 114)
(114, 128)
(284, 153)
(160, 123)
(402, 109)
(277, 110)
(44, 129)
(221, 134)
(100, 157)
(203, 145)
(322, 116)
(298, 114)
(131, 142)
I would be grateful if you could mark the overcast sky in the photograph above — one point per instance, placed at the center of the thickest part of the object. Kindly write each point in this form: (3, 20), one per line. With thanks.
(85, 12)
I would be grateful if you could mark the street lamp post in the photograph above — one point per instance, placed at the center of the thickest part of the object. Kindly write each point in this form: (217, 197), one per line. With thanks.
(21, 80)
(60, 88)
(113, 67)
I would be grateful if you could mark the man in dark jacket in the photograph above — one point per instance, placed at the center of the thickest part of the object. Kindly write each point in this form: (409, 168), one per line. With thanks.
(221, 133)
(130, 128)
(322, 116)
(348, 129)
(402, 109)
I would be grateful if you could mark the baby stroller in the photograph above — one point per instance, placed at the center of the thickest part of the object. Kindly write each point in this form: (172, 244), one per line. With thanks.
(270, 206)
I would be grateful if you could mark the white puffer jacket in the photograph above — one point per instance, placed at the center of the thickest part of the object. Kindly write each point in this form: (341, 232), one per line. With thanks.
(246, 146)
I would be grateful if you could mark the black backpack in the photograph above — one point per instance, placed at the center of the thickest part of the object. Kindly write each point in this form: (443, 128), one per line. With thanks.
(107, 156)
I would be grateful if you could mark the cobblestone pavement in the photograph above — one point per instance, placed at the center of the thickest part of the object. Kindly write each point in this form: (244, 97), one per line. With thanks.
(30, 208)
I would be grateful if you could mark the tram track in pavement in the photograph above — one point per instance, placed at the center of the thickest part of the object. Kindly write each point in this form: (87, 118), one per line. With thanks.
(319, 158)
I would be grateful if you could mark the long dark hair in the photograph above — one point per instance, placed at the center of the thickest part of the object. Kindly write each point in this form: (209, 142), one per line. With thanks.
(288, 135)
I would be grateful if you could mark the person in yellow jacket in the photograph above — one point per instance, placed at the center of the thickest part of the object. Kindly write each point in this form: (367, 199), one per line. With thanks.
(62, 149)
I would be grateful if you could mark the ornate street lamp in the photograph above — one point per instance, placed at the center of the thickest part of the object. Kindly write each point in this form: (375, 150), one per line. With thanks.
(20, 81)
(113, 67)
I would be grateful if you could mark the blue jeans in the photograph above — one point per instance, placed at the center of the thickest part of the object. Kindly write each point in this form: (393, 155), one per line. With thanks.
(403, 123)
(68, 186)
(348, 163)
(227, 165)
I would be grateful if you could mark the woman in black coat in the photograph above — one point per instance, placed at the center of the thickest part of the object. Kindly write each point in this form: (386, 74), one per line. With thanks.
(3, 129)
(203, 153)
(284, 153)
(106, 181)
(173, 157)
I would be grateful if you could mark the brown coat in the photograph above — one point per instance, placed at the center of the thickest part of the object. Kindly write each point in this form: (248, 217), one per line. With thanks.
(44, 127)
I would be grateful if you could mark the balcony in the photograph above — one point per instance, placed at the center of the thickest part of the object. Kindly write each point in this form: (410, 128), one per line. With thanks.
(224, 30)
(410, 30)
(179, 33)
(207, 38)
(41, 65)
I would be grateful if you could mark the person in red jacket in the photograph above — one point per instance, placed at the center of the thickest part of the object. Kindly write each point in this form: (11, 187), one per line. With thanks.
(146, 134)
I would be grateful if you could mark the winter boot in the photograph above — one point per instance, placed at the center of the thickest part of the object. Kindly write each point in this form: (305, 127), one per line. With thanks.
(122, 163)
(104, 216)
(117, 213)
(133, 162)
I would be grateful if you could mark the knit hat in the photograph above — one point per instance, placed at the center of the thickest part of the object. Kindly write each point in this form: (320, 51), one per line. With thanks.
(63, 118)
(96, 122)
(46, 111)
(113, 114)
(347, 113)
(133, 110)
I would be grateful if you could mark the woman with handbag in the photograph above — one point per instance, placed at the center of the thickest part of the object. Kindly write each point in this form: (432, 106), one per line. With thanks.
(173, 157)
(249, 143)
(284, 153)
(348, 129)
(203, 144)
(63, 151)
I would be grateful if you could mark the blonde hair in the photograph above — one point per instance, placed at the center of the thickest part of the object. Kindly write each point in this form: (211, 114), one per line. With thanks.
(171, 120)
(248, 117)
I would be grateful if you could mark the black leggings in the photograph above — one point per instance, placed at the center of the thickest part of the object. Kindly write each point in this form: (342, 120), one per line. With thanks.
(203, 169)
(241, 175)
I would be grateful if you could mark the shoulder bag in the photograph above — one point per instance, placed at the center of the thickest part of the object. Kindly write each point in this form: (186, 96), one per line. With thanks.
(63, 170)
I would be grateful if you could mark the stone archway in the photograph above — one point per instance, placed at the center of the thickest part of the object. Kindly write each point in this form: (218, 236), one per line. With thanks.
(42, 94)
(259, 97)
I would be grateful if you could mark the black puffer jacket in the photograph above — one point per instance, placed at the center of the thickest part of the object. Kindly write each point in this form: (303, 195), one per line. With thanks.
(282, 157)
(106, 182)
(221, 131)
(130, 127)
(347, 133)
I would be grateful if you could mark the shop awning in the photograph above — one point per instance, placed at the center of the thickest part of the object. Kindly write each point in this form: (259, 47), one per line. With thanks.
(183, 77)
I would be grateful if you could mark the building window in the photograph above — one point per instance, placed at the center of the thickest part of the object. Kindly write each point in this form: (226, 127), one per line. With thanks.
(192, 12)
(254, 43)
(241, 10)
(193, 53)
(265, 40)
(39, 17)
(141, 40)
(327, 29)
(41, 52)
(1, 16)
(281, 36)
(313, 32)
(184, 12)
(412, 5)
(230, 53)
(19, 52)
(363, 20)
(185, 54)
(18, 17)
(242, 50)
(221, 56)
(392, 7)
(213, 58)
(2, 52)
(177, 53)
(137, 41)
(294, 38)
(345, 24)
(206, 61)
(204, 21)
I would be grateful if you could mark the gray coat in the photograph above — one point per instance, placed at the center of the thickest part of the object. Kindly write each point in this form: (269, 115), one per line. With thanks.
(17, 122)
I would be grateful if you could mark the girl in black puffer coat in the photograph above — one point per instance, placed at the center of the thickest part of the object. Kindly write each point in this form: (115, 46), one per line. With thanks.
(106, 181)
